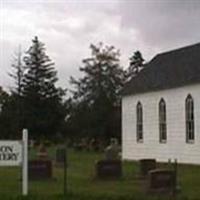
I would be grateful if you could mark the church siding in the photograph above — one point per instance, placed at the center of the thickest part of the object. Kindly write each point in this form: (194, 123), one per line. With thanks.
(176, 146)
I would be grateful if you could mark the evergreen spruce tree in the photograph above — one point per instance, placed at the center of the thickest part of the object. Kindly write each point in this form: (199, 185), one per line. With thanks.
(43, 111)
(136, 64)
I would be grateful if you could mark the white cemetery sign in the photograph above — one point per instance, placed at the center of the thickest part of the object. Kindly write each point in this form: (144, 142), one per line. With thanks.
(15, 153)
(10, 153)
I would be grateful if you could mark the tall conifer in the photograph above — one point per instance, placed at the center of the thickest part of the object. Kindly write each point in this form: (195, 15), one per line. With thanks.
(42, 99)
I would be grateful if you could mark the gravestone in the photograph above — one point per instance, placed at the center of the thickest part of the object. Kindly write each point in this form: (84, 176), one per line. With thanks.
(112, 151)
(40, 169)
(109, 169)
(111, 166)
(162, 180)
(146, 165)
(42, 152)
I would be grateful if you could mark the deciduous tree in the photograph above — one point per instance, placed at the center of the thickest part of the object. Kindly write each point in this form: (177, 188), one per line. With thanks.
(96, 93)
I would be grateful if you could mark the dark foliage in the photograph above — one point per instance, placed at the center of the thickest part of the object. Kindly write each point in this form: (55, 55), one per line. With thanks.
(96, 103)
(42, 101)
(136, 64)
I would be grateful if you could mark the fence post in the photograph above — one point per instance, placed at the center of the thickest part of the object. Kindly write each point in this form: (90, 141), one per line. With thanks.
(65, 172)
(25, 163)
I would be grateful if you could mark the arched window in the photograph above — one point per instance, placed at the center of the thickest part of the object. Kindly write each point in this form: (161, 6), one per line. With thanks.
(139, 127)
(189, 114)
(162, 121)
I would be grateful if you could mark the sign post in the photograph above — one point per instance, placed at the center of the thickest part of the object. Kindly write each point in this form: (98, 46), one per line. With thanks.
(65, 171)
(25, 163)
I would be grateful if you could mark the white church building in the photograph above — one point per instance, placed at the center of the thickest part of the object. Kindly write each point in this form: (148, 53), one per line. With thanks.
(161, 109)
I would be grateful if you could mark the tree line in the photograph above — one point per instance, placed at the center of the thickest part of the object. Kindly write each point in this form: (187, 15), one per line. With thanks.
(91, 107)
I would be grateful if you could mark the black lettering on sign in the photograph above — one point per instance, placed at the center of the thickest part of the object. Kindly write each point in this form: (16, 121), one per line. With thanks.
(6, 149)
(7, 154)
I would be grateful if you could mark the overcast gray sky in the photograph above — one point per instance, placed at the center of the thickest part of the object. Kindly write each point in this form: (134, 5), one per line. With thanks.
(67, 27)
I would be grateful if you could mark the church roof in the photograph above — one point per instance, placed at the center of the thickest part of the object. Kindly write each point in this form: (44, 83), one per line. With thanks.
(167, 70)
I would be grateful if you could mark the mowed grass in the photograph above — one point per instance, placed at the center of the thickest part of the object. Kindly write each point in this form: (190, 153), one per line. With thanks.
(82, 184)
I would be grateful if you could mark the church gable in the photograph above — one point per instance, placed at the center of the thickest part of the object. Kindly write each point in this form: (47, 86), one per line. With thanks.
(167, 70)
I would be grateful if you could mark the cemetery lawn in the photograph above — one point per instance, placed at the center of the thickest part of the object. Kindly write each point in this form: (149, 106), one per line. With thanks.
(82, 185)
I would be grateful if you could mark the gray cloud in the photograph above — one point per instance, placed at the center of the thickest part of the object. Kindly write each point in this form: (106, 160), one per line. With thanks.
(68, 27)
(163, 24)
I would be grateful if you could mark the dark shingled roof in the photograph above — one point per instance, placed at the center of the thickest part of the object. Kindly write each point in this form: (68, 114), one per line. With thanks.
(167, 70)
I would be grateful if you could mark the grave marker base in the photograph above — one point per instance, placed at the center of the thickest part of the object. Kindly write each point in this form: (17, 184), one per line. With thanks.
(108, 169)
(162, 181)
(40, 170)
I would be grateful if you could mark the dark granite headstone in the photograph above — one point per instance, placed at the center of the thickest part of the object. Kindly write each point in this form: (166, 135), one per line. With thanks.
(111, 166)
(109, 169)
(40, 169)
(146, 165)
(162, 179)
